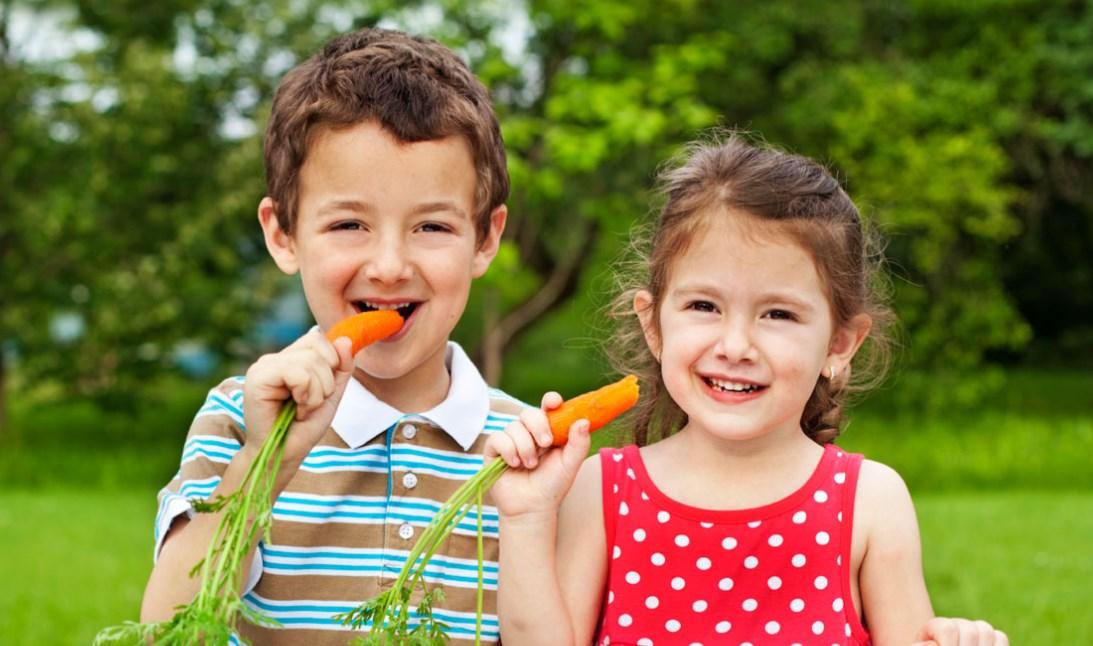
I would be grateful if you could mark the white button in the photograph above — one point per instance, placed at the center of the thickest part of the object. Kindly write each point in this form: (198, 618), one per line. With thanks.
(406, 531)
(409, 431)
(409, 480)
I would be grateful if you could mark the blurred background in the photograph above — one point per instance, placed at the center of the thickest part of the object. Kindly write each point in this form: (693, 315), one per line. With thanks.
(134, 276)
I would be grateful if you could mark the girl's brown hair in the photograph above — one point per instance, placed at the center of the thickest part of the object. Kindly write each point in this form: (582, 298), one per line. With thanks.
(413, 87)
(776, 192)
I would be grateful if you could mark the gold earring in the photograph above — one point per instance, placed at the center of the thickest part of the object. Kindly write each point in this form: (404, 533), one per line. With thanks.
(833, 372)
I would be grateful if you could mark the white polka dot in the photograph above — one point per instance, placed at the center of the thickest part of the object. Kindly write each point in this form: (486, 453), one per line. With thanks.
(651, 602)
(657, 558)
(774, 583)
(798, 560)
(644, 496)
(623, 509)
(729, 543)
(663, 516)
(616, 553)
(751, 562)
(610, 597)
(823, 538)
(699, 606)
(706, 525)
(846, 629)
(772, 627)
(839, 561)
(703, 563)
(840, 517)
(749, 604)
(683, 540)
(837, 605)
(799, 517)
(797, 605)
(630, 474)
(755, 523)
(723, 627)
(639, 535)
(678, 583)
(606, 641)
(725, 584)
(820, 583)
(817, 627)
(775, 540)
(632, 577)
(840, 477)
(615, 488)
(625, 620)
(645, 641)
(820, 496)
(672, 626)
(616, 457)
(695, 644)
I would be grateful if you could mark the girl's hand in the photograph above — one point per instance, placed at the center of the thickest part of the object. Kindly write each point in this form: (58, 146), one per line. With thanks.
(540, 476)
(945, 631)
(313, 372)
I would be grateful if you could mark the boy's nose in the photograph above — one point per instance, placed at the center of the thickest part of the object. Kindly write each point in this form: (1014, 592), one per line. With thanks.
(388, 263)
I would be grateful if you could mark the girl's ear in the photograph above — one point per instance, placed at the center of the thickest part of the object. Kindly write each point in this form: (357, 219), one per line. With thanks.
(279, 242)
(643, 307)
(846, 341)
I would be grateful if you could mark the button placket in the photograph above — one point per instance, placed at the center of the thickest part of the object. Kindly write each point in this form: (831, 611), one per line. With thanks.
(409, 480)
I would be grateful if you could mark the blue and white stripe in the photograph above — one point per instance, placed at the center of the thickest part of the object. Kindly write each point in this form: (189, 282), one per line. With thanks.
(375, 510)
(211, 447)
(450, 571)
(170, 502)
(218, 403)
(318, 615)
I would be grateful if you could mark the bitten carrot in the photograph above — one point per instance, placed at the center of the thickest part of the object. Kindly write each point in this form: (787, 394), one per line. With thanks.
(599, 407)
(388, 614)
(366, 328)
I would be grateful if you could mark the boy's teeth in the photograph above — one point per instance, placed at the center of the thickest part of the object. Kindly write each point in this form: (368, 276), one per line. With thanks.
(384, 306)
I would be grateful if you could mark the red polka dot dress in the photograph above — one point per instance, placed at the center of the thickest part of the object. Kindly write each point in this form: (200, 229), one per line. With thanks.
(776, 574)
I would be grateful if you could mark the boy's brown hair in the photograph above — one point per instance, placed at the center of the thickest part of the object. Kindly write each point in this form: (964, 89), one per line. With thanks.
(413, 87)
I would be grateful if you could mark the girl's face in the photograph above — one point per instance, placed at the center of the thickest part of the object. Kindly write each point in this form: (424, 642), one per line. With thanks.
(745, 330)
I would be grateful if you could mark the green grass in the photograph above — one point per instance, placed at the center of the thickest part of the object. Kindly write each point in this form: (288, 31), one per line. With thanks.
(76, 561)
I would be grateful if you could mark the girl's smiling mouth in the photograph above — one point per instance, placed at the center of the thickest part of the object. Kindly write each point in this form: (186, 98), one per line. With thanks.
(727, 389)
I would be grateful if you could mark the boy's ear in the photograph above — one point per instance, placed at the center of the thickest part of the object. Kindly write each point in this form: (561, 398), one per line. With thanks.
(487, 247)
(643, 307)
(279, 243)
(846, 341)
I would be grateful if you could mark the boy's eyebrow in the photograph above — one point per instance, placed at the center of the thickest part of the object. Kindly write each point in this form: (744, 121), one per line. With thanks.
(344, 205)
(355, 206)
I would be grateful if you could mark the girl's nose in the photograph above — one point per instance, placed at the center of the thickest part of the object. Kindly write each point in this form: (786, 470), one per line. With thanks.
(735, 342)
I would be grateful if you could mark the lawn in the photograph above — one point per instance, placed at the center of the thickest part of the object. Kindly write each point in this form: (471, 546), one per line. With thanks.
(76, 560)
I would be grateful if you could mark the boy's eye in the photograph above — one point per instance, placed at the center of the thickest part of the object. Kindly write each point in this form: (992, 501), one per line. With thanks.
(702, 306)
(347, 226)
(435, 227)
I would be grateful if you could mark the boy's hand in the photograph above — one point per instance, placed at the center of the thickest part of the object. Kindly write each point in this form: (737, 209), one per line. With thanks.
(312, 371)
(541, 476)
(945, 631)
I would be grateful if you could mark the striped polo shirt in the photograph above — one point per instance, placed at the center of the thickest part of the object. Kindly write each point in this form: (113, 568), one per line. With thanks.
(347, 520)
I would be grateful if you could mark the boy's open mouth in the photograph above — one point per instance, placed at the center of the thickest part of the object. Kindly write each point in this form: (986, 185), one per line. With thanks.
(404, 309)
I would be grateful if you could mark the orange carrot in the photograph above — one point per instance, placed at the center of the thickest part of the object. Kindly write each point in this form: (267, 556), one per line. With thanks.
(599, 407)
(366, 328)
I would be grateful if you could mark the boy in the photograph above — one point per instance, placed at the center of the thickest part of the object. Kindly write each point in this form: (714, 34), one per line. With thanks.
(387, 180)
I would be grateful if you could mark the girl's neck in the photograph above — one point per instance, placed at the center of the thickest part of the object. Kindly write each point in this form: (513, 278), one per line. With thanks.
(701, 470)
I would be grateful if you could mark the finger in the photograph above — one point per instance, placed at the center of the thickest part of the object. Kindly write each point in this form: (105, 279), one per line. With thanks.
(343, 347)
(967, 633)
(984, 633)
(926, 643)
(506, 449)
(551, 400)
(942, 630)
(1001, 639)
(537, 424)
(576, 449)
(525, 444)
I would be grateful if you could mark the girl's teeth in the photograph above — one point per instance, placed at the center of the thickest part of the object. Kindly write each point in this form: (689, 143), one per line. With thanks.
(732, 387)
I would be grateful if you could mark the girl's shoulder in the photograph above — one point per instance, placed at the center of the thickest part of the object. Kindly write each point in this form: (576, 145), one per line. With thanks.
(883, 510)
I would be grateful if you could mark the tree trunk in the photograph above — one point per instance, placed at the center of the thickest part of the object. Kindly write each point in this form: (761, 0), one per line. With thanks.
(492, 347)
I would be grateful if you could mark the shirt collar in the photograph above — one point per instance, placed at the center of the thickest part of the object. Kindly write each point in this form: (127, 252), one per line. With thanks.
(462, 415)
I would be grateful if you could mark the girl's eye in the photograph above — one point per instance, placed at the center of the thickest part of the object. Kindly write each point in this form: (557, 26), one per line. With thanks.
(702, 306)
(782, 315)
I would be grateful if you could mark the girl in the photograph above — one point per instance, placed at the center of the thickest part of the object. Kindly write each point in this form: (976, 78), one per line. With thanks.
(746, 524)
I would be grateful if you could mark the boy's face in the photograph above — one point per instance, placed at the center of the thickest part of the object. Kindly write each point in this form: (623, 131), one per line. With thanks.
(386, 224)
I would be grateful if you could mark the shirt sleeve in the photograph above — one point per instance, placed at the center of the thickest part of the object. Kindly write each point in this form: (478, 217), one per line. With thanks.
(215, 436)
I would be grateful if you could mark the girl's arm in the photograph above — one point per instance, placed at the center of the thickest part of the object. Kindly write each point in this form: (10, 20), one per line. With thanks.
(552, 568)
(895, 603)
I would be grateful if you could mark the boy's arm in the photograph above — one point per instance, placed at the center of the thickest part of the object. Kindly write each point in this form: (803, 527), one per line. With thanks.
(313, 372)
